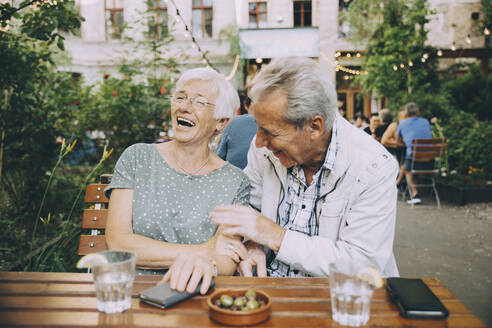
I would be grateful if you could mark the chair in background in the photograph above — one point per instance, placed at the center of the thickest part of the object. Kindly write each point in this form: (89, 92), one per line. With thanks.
(426, 150)
(94, 218)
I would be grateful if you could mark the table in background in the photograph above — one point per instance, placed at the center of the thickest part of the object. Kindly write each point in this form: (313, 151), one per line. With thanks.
(68, 299)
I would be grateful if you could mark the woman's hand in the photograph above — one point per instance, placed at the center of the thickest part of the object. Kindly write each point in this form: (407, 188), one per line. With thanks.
(229, 246)
(187, 271)
(256, 258)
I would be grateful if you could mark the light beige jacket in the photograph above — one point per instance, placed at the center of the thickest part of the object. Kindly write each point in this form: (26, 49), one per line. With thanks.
(356, 217)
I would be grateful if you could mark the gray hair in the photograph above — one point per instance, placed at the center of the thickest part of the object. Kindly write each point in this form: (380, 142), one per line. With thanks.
(386, 115)
(412, 109)
(309, 94)
(227, 101)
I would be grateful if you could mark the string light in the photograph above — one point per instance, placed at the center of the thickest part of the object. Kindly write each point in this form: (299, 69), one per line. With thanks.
(259, 60)
(395, 68)
(410, 63)
(439, 52)
(402, 66)
(486, 31)
(188, 33)
(453, 47)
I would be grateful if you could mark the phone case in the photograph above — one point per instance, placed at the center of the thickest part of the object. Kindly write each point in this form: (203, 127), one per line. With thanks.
(414, 299)
(164, 297)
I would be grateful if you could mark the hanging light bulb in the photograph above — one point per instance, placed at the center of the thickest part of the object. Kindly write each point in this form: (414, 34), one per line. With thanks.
(395, 68)
(410, 63)
(486, 31)
(338, 54)
(423, 60)
(468, 40)
(426, 55)
(453, 47)
(259, 60)
(349, 55)
(439, 52)
(357, 55)
(402, 65)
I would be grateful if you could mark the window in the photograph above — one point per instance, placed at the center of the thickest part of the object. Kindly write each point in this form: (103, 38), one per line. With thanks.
(113, 10)
(302, 13)
(158, 19)
(257, 14)
(202, 18)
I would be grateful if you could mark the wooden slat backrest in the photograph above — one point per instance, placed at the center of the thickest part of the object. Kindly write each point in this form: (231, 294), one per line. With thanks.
(94, 218)
(94, 193)
(92, 244)
(424, 150)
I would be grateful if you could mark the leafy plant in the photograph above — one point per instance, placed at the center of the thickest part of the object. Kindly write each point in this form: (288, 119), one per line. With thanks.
(398, 62)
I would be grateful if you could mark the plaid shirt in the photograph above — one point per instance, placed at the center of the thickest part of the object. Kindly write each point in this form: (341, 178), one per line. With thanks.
(297, 210)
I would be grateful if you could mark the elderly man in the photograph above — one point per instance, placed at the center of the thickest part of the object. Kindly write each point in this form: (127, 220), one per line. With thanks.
(322, 189)
(414, 127)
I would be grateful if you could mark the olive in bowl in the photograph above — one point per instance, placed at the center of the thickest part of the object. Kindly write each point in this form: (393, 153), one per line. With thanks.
(239, 307)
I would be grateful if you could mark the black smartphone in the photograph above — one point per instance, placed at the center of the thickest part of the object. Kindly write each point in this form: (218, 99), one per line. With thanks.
(164, 297)
(414, 299)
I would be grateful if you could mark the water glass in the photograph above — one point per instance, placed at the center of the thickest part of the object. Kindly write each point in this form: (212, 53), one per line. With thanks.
(114, 281)
(350, 296)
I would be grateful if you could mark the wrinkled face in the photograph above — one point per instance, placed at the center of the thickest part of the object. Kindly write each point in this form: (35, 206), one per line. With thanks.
(193, 123)
(288, 143)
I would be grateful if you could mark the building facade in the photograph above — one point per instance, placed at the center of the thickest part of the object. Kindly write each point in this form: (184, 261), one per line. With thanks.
(267, 29)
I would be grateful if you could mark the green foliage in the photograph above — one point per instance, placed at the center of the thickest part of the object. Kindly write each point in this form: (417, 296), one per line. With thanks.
(471, 93)
(394, 34)
(127, 112)
(487, 20)
(469, 145)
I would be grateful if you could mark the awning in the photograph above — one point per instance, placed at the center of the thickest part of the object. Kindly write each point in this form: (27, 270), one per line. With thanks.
(279, 42)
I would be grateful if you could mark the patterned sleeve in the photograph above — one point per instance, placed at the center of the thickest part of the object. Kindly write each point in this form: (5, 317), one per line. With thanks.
(242, 193)
(124, 172)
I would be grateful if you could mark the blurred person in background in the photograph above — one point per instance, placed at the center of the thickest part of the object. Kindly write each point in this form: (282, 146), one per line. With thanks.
(386, 118)
(234, 142)
(414, 127)
(374, 122)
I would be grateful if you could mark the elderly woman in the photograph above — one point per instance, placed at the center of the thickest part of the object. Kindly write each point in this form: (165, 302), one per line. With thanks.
(162, 194)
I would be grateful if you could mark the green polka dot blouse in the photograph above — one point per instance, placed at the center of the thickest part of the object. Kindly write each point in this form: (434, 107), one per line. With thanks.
(167, 204)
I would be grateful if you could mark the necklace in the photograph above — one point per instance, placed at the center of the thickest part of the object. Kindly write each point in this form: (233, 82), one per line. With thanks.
(190, 175)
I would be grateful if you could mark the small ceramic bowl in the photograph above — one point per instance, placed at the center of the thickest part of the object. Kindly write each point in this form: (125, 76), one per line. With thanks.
(239, 318)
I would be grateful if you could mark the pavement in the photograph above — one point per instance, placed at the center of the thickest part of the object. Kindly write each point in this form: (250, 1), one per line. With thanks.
(452, 244)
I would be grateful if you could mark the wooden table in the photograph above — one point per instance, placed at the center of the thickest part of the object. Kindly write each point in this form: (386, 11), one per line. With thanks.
(68, 299)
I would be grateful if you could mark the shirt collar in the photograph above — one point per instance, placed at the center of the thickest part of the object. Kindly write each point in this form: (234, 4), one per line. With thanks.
(332, 151)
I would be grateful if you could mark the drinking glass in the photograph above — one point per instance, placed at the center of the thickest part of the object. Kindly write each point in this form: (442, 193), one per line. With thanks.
(350, 296)
(114, 281)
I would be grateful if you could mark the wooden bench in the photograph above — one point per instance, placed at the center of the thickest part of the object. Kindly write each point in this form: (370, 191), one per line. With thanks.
(94, 218)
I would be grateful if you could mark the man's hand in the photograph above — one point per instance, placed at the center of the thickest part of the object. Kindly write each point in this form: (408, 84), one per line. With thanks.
(239, 220)
(187, 271)
(255, 257)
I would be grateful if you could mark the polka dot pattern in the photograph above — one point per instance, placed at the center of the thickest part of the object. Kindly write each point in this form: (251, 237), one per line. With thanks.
(167, 205)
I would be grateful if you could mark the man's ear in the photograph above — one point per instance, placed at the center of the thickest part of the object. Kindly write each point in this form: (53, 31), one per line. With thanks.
(221, 123)
(317, 126)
